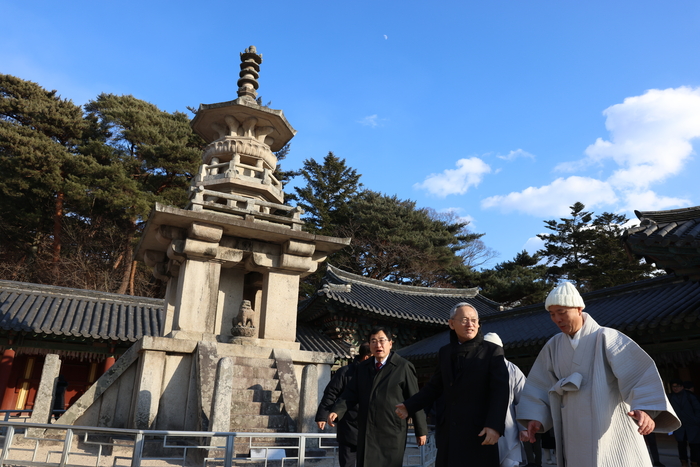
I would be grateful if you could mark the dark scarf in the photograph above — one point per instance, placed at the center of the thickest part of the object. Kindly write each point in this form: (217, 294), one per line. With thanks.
(462, 352)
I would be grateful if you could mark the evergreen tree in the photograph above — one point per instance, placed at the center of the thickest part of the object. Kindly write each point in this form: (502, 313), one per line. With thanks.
(150, 156)
(520, 281)
(329, 189)
(44, 175)
(590, 251)
(392, 240)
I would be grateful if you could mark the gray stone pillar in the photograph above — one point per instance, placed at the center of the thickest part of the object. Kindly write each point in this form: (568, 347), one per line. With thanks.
(223, 391)
(147, 390)
(195, 308)
(309, 400)
(278, 317)
(43, 403)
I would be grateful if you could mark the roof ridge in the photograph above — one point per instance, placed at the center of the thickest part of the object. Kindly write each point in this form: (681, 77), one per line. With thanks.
(670, 215)
(76, 293)
(401, 288)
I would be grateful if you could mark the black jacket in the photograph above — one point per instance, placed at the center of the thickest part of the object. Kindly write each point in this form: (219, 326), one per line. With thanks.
(381, 433)
(472, 378)
(347, 427)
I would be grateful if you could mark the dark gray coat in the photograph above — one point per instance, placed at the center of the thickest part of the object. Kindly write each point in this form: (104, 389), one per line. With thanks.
(687, 407)
(381, 433)
(473, 382)
(347, 427)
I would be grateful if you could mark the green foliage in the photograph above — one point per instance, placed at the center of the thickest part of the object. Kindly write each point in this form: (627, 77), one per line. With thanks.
(151, 153)
(76, 185)
(590, 251)
(329, 189)
(392, 240)
(44, 175)
(521, 281)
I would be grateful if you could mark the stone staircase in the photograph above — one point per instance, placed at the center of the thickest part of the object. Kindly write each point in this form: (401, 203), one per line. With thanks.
(257, 404)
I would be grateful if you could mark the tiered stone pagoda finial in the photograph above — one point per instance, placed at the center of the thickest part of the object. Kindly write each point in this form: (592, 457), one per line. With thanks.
(239, 160)
(250, 69)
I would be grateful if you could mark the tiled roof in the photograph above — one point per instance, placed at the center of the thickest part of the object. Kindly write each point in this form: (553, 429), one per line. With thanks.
(428, 305)
(61, 311)
(655, 309)
(314, 340)
(670, 239)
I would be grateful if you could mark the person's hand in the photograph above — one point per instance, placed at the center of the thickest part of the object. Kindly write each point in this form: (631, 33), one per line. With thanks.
(321, 425)
(491, 436)
(644, 421)
(421, 439)
(533, 426)
(524, 436)
(331, 418)
(402, 412)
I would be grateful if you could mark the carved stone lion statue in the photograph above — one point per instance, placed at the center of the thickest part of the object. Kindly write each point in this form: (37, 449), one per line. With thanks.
(246, 315)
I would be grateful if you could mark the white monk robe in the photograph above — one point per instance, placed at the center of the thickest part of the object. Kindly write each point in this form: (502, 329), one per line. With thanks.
(585, 395)
(510, 449)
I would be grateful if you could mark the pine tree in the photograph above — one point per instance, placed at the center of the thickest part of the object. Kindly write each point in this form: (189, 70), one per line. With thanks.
(150, 156)
(520, 281)
(590, 251)
(329, 188)
(44, 175)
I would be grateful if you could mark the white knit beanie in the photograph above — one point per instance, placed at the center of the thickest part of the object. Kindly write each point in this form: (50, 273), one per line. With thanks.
(564, 294)
(493, 338)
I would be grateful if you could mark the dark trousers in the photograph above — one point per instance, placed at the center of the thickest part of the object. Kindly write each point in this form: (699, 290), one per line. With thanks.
(683, 450)
(347, 455)
(534, 451)
(650, 439)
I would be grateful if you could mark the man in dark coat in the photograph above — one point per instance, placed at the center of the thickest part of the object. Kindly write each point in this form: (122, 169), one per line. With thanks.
(687, 408)
(347, 427)
(472, 377)
(379, 384)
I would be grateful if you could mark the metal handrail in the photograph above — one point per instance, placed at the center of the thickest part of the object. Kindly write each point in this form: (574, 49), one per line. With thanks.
(224, 444)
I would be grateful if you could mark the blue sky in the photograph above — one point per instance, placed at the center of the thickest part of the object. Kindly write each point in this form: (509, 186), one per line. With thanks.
(506, 112)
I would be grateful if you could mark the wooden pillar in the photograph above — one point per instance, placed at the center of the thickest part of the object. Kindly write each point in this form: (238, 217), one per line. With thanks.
(109, 361)
(8, 357)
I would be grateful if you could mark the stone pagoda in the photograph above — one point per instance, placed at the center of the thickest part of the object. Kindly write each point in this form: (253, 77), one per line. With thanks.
(232, 260)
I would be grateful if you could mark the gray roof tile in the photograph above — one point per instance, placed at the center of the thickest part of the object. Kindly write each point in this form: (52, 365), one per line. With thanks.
(428, 305)
(656, 308)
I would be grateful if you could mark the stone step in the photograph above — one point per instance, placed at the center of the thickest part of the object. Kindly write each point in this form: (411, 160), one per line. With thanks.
(255, 395)
(256, 384)
(254, 423)
(240, 371)
(256, 408)
(255, 362)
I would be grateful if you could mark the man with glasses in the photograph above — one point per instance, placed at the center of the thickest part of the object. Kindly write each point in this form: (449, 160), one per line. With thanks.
(379, 384)
(472, 379)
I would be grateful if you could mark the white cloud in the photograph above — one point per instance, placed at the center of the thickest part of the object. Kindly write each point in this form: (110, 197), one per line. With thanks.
(650, 141)
(650, 137)
(469, 172)
(650, 201)
(371, 120)
(554, 199)
(512, 155)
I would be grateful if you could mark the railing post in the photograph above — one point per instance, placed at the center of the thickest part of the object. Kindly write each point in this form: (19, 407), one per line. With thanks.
(8, 442)
(228, 460)
(67, 442)
(302, 450)
(138, 450)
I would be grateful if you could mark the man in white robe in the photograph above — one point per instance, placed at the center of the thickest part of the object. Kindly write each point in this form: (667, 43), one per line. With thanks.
(510, 449)
(598, 389)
